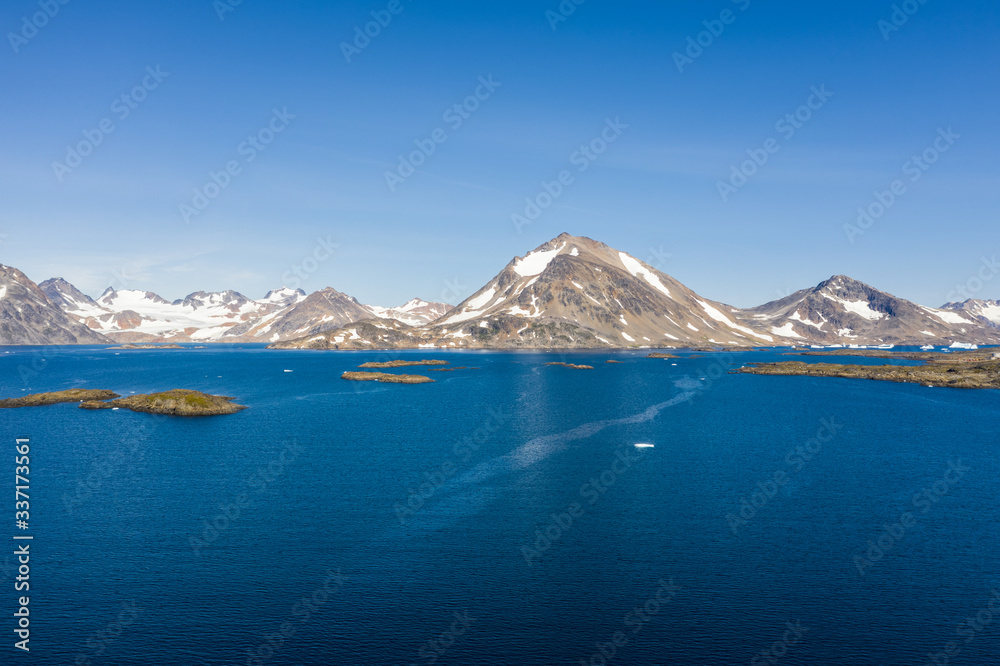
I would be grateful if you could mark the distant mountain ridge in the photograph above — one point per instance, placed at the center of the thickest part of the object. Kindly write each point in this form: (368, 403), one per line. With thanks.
(570, 292)
(577, 292)
(28, 317)
(984, 311)
(844, 311)
(130, 315)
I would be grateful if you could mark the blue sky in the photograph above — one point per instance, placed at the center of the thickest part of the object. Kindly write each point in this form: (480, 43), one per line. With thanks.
(117, 217)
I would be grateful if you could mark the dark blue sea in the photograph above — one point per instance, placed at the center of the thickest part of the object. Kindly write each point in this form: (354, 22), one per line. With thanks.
(502, 515)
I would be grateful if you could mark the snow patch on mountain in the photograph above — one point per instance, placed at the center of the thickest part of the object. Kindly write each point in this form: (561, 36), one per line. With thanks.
(721, 318)
(860, 308)
(536, 262)
(633, 266)
(948, 316)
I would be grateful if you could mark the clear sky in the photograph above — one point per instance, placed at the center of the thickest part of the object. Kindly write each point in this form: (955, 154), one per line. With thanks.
(115, 216)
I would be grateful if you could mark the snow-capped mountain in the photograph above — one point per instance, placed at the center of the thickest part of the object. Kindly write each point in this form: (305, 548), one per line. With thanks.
(415, 312)
(319, 311)
(844, 311)
(29, 317)
(620, 299)
(569, 292)
(129, 315)
(66, 296)
(985, 311)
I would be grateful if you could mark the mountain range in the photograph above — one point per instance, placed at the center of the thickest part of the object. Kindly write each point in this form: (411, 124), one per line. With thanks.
(571, 292)
(129, 315)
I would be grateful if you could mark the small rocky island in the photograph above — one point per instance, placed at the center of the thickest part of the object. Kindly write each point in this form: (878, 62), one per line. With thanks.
(178, 402)
(56, 397)
(572, 365)
(661, 355)
(972, 370)
(130, 345)
(385, 378)
(399, 364)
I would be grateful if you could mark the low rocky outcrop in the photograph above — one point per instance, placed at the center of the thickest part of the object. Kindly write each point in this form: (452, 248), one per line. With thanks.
(129, 345)
(572, 365)
(386, 378)
(399, 364)
(178, 402)
(952, 370)
(56, 397)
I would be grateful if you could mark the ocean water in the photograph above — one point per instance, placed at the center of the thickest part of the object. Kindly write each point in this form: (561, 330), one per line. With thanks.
(502, 515)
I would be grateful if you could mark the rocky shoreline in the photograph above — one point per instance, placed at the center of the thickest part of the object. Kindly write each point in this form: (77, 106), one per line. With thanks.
(385, 378)
(572, 365)
(399, 364)
(968, 370)
(57, 397)
(176, 402)
(130, 346)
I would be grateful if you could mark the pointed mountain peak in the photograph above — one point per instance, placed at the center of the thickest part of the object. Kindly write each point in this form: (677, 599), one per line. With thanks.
(839, 281)
(283, 294)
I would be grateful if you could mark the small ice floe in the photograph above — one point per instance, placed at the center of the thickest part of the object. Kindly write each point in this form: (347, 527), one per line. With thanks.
(114, 409)
(927, 348)
(289, 371)
(644, 446)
